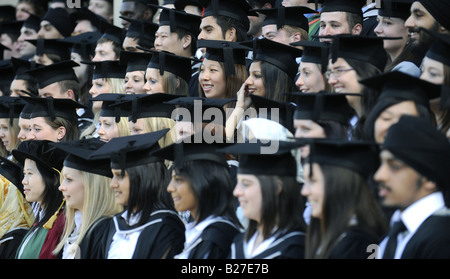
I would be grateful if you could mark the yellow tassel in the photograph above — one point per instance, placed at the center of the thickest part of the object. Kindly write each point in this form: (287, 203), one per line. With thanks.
(49, 224)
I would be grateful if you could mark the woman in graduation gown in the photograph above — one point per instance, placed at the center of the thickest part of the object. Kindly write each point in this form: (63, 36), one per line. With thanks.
(149, 228)
(42, 164)
(346, 219)
(202, 185)
(90, 202)
(269, 196)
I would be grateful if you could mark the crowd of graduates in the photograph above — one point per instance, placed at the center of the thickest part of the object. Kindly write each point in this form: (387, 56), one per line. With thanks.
(225, 129)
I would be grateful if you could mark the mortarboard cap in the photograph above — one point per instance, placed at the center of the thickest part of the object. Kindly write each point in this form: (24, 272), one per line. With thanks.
(190, 149)
(11, 27)
(12, 172)
(170, 62)
(79, 153)
(135, 61)
(438, 10)
(292, 16)
(284, 111)
(395, 8)
(314, 52)
(21, 66)
(192, 105)
(10, 107)
(107, 69)
(141, 29)
(85, 14)
(180, 19)
(358, 156)
(54, 107)
(181, 4)
(84, 43)
(440, 48)
(32, 22)
(55, 72)
(52, 46)
(280, 55)
(107, 109)
(265, 157)
(6, 71)
(131, 151)
(349, 6)
(229, 53)
(59, 18)
(322, 106)
(26, 111)
(112, 32)
(365, 49)
(403, 86)
(138, 106)
(7, 12)
(236, 9)
(42, 153)
(418, 143)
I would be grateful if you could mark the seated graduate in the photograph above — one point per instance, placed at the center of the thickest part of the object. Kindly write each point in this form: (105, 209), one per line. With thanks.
(269, 196)
(150, 227)
(90, 202)
(201, 184)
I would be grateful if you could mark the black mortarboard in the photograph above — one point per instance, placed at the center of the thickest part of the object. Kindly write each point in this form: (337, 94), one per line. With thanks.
(135, 61)
(147, 105)
(112, 32)
(417, 142)
(395, 8)
(11, 27)
(85, 14)
(7, 12)
(365, 49)
(314, 52)
(52, 46)
(11, 107)
(181, 4)
(265, 158)
(193, 149)
(141, 29)
(175, 64)
(229, 53)
(12, 171)
(54, 107)
(59, 18)
(235, 9)
(109, 99)
(349, 6)
(6, 71)
(440, 48)
(280, 55)
(33, 22)
(438, 10)
(180, 19)
(42, 153)
(292, 16)
(358, 156)
(84, 43)
(79, 153)
(322, 106)
(131, 151)
(55, 72)
(192, 105)
(284, 111)
(107, 69)
(26, 111)
(21, 66)
(403, 86)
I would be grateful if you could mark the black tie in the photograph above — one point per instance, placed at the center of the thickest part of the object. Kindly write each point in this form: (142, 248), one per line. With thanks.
(391, 245)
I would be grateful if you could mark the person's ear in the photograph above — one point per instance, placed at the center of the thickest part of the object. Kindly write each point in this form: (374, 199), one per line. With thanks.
(187, 40)
(230, 35)
(61, 133)
(357, 29)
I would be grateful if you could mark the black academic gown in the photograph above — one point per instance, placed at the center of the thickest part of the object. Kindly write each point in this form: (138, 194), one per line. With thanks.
(431, 240)
(288, 245)
(10, 242)
(215, 241)
(163, 229)
(354, 244)
(91, 244)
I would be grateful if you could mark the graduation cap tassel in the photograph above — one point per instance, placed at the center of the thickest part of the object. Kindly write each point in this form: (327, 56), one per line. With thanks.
(11, 114)
(318, 106)
(281, 15)
(51, 108)
(162, 62)
(178, 154)
(172, 20)
(229, 60)
(134, 110)
(49, 224)
(40, 46)
(324, 59)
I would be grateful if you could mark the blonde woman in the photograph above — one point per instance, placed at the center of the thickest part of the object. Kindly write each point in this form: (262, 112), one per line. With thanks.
(90, 202)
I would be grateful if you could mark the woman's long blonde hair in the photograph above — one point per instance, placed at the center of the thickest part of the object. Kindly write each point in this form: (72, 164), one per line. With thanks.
(98, 202)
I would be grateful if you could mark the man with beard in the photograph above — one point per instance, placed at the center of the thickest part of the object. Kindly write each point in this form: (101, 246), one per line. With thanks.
(431, 15)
